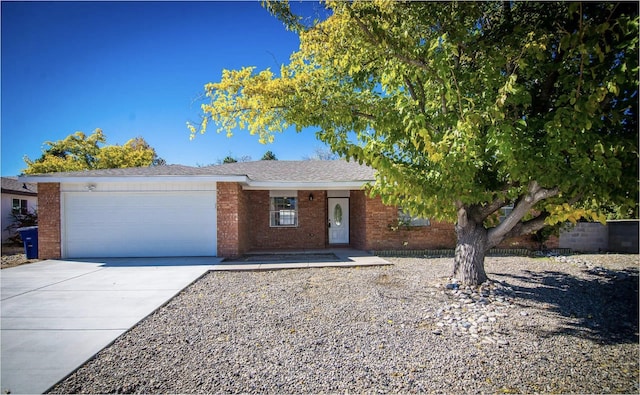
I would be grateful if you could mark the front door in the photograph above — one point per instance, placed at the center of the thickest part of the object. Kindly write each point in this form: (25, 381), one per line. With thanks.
(338, 220)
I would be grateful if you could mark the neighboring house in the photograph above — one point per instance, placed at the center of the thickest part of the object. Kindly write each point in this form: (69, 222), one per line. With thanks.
(17, 197)
(225, 210)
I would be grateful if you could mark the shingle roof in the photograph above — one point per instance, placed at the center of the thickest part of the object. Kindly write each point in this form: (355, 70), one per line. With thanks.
(267, 170)
(13, 185)
(166, 170)
(296, 171)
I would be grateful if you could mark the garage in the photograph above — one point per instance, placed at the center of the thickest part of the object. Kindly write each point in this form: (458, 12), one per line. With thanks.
(138, 224)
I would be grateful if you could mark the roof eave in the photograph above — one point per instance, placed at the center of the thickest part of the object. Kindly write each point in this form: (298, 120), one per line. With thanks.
(298, 185)
(16, 192)
(136, 179)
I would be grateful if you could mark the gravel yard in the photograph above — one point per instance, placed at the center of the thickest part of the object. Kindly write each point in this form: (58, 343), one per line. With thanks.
(13, 256)
(552, 325)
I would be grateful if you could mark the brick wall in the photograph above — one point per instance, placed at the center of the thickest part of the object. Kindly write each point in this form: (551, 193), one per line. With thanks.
(243, 225)
(311, 232)
(49, 221)
(357, 220)
(232, 223)
(373, 223)
(379, 224)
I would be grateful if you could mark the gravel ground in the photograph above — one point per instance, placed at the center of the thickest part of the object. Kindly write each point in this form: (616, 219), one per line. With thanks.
(550, 325)
(13, 256)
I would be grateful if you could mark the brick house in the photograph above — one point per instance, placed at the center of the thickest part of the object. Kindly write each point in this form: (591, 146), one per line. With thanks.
(224, 210)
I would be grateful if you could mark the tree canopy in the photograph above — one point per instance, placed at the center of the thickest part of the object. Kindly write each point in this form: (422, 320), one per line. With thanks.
(461, 107)
(269, 156)
(81, 152)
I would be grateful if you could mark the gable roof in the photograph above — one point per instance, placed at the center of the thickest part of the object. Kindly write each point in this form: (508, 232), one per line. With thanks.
(258, 174)
(296, 171)
(16, 187)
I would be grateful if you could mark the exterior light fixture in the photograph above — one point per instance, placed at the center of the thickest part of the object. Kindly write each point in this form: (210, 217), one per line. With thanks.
(311, 197)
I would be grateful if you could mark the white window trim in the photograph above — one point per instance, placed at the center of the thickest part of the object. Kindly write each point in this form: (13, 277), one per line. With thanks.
(20, 208)
(285, 213)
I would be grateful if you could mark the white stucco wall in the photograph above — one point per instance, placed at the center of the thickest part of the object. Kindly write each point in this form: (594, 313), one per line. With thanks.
(6, 204)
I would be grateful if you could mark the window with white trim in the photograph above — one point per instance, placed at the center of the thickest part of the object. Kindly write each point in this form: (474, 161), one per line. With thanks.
(406, 219)
(283, 211)
(19, 206)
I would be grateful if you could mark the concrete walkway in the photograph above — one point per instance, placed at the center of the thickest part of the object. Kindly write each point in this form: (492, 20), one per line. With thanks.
(55, 315)
(277, 260)
(58, 314)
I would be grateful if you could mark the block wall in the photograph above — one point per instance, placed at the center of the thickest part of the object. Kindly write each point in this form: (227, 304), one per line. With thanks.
(585, 237)
(617, 236)
(49, 236)
(623, 236)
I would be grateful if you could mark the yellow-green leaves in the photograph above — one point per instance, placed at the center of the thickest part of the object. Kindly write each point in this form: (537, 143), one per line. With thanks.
(246, 100)
(567, 213)
(80, 152)
(458, 101)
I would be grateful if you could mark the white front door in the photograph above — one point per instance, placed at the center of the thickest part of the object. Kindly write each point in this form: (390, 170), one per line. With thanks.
(338, 220)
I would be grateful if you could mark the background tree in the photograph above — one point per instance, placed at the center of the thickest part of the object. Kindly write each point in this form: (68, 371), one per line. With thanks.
(81, 152)
(229, 159)
(269, 156)
(233, 159)
(462, 108)
(321, 153)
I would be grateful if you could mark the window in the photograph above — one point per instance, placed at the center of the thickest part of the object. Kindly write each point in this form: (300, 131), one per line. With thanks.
(406, 219)
(505, 211)
(19, 206)
(283, 211)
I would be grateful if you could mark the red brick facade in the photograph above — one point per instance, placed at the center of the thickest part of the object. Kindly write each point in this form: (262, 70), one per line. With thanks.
(243, 224)
(232, 219)
(49, 221)
(371, 224)
(376, 228)
(311, 232)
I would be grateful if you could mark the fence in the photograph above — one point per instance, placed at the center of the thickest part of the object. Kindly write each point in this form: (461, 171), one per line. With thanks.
(615, 236)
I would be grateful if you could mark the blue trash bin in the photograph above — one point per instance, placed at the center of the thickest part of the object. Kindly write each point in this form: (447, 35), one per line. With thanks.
(29, 236)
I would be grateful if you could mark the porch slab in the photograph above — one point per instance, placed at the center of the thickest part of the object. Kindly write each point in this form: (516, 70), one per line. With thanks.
(280, 260)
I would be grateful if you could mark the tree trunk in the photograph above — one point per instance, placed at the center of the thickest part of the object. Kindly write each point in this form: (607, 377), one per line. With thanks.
(471, 246)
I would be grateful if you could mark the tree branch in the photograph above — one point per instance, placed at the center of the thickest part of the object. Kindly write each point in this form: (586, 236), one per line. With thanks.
(535, 193)
(527, 227)
(417, 96)
(491, 208)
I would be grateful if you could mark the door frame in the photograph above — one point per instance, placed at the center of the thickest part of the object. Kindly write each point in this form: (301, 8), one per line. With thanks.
(329, 206)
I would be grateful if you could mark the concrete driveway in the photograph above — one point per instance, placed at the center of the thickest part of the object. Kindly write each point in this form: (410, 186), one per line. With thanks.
(55, 315)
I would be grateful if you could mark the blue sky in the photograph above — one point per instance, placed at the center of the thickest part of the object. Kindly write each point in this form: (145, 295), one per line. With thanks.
(133, 69)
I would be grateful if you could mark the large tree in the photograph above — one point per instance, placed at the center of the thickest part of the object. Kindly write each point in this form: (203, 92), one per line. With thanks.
(81, 152)
(462, 108)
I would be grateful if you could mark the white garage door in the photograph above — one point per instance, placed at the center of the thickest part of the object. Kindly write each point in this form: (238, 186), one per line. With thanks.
(139, 224)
